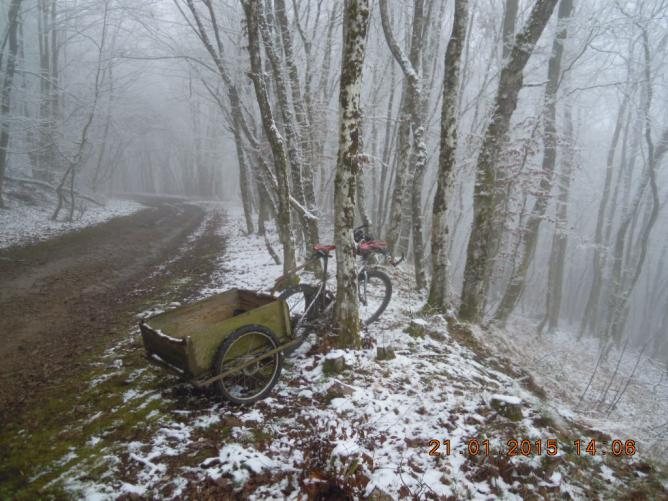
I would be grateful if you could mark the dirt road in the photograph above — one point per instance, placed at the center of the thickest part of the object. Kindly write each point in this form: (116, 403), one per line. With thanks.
(65, 299)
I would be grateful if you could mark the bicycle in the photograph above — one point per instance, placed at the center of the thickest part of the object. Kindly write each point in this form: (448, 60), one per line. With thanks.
(311, 305)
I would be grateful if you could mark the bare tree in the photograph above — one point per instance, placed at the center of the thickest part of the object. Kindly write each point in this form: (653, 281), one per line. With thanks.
(619, 300)
(556, 266)
(5, 99)
(276, 141)
(439, 291)
(529, 240)
(75, 162)
(510, 83)
(292, 135)
(414, 105)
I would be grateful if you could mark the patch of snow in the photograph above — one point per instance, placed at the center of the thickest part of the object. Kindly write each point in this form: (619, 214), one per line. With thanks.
(206, 421)
(509, 399)
(346, 448)
(238, 462)
(28, 224)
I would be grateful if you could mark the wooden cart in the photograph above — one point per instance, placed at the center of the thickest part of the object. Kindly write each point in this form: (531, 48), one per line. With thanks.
(234, 340)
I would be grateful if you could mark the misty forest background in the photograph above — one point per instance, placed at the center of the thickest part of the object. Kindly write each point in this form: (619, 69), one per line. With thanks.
(513, 150)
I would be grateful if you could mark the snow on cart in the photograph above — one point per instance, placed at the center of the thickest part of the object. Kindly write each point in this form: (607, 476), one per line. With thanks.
(234, 341)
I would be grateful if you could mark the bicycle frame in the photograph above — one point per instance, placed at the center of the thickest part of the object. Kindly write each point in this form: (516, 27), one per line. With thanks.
(322, 287)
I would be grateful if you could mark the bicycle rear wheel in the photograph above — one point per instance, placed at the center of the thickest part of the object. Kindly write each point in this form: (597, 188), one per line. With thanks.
(375, 292)
(299, 299)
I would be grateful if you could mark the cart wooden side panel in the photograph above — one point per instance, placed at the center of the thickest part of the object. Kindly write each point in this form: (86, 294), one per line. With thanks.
(189, 337)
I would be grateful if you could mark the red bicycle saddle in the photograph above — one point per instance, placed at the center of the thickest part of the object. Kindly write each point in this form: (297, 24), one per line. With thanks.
(324, 248)
(373, 245)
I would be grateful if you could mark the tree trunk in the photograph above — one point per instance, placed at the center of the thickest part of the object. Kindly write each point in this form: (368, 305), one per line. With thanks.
(277, 143)
(509, 21)
(623, 289)
(530, 237)
(400, 173)
(76, 161)
(346, 309)
(439, 292)
(591, 308)
(298, 102)
(308, 225)
(5, 99)
(244, 184)
(411, 68)
(479, 257)
(555, 274)
(380, 216)
(361, 200)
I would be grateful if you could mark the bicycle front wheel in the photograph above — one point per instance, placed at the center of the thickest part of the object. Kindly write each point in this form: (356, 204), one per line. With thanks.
(375, 291)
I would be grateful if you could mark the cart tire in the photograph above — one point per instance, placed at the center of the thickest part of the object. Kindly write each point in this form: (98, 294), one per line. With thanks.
(247, 386)
(382, 292)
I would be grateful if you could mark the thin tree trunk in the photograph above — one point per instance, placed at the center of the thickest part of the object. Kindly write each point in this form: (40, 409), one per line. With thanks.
(380, 216)
(5, 100)
(324, 97)
(621, 298)
(411, 68)
(346, 308)
(77, 159)
(439, 291)
(277, 143)
(297, 100)
(556, 266)
(244, 184)
(591, 308)
(308, 225)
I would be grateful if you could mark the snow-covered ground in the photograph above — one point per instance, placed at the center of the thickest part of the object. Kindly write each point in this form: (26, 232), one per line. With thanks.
(23, 224)
(627, 397)
(363, 432)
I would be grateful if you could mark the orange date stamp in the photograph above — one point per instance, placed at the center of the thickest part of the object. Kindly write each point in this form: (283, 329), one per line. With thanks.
(525, 447)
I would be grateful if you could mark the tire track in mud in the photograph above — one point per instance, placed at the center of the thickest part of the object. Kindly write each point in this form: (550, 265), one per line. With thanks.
(66, 299)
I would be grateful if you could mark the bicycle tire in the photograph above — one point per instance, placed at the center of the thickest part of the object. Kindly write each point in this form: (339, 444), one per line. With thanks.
(387, 295)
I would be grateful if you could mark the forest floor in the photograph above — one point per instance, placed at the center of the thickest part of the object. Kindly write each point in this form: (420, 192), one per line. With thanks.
(111, 427)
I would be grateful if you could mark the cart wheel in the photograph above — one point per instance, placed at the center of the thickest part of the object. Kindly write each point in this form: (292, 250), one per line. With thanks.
(253, 382)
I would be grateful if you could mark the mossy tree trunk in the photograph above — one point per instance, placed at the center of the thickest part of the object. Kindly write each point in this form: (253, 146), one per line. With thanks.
(439, 291)
(346, 308)
(479, 255)
(529, 238)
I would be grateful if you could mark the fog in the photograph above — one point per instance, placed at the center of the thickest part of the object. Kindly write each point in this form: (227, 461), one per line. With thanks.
(116, 97)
